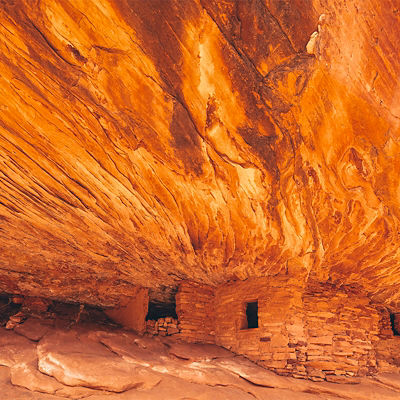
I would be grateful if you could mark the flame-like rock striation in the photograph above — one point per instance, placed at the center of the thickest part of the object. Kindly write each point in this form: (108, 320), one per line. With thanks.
(145, 142)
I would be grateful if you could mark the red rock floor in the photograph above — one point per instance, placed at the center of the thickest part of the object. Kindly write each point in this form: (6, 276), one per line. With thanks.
(48, 359)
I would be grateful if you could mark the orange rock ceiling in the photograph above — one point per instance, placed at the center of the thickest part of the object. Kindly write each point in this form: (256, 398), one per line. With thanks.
(145, 142)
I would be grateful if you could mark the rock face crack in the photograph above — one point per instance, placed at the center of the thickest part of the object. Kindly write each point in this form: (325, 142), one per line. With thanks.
(54, 50)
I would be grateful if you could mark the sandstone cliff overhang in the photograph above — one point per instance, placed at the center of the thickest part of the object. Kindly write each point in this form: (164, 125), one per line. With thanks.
(146, 142)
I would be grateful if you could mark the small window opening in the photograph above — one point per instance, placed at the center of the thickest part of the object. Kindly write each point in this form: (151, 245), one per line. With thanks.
(251, 315)
(395, 323)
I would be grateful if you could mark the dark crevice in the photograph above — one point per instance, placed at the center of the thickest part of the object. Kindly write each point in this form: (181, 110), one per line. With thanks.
(256, 384)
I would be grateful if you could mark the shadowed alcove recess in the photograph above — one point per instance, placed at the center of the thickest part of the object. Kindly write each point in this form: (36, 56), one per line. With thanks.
(161, 310)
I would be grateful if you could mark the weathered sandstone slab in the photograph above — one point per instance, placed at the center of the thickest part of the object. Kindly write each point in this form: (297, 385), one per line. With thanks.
(221, 374)
(78, 361)
(33, 328)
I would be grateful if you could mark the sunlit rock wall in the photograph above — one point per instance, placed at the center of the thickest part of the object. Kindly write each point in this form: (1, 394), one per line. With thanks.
(145, 142)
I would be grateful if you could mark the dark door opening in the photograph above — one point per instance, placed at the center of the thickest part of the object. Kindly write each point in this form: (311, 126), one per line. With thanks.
(395, 323)
(251, 315)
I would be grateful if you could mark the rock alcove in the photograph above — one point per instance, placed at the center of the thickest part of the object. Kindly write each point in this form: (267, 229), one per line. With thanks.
(164, 164)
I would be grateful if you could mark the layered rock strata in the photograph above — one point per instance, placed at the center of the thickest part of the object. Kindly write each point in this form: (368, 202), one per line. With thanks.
(146, 142)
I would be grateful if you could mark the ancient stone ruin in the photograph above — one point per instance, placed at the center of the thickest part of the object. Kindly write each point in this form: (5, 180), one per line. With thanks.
(319, 331)
(200, 195)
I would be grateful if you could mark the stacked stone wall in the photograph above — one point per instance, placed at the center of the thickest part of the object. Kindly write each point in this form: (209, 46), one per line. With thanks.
(385, 325)
(342, 329)
(387, 348)
(269, 343)
(320, 332)
(196, 313)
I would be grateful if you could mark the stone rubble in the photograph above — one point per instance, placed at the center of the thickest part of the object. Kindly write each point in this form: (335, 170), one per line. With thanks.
(15, 320)
(167, 326)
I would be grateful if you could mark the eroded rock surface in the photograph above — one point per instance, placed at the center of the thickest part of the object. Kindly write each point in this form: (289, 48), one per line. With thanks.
(143, 142)
(97, 362)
